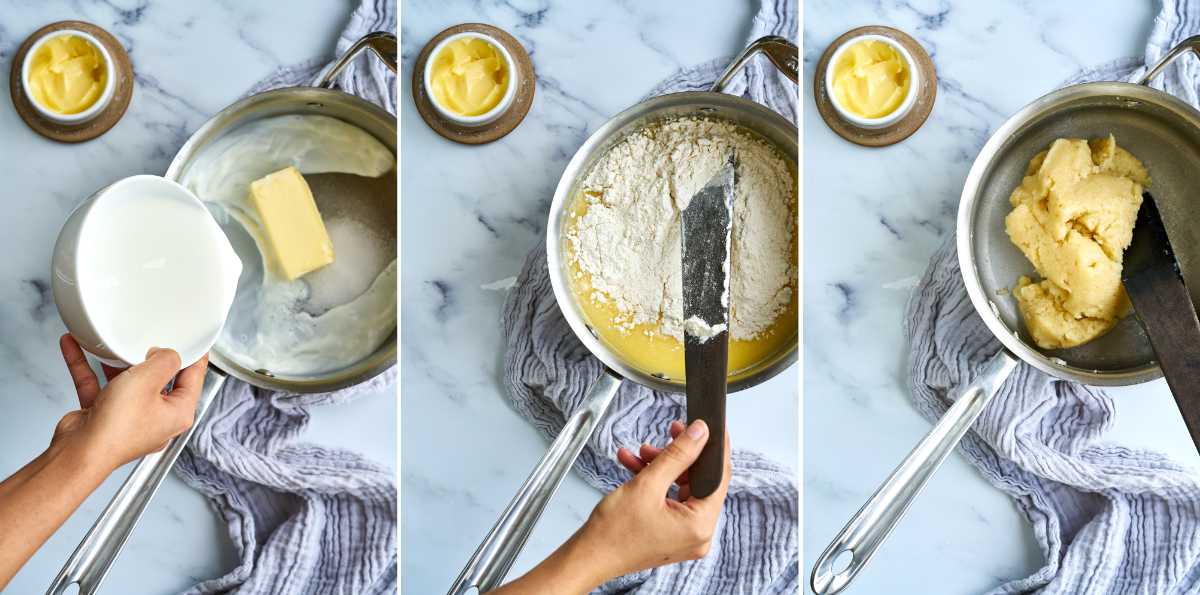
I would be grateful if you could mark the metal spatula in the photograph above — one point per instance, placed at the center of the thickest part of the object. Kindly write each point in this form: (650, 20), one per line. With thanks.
(706, 225)
(1161, 299)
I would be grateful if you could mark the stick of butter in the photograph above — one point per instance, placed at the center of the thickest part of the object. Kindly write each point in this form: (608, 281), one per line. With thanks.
(291, 223)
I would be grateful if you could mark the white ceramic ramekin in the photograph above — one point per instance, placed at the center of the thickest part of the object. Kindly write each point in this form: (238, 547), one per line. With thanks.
(905, 106)
(505, 102)
(102, 102)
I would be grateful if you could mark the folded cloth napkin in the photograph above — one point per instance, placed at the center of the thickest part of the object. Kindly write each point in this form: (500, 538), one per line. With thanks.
(548, 372)
(303, 518)
(1109, 520)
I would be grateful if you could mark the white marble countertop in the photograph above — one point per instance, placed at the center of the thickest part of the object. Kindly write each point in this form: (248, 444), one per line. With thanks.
(961, 536)
(191, 60)
(469, 215)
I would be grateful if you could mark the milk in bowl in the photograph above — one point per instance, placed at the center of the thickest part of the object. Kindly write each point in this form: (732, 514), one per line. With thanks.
(142, 264)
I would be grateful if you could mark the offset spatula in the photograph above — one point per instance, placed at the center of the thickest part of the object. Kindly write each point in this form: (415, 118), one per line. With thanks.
(706, 224)
(1161, 299)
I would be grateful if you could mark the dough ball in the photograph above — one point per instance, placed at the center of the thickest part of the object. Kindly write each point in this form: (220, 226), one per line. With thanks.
(1073, 218)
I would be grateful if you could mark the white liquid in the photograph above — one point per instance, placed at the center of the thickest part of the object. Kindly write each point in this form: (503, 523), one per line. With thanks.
(328, 319)
(151, 276)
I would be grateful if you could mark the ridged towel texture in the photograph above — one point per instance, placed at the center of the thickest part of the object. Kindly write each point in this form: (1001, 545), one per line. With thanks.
(304, 519)
(548, 372)
(1109, 520)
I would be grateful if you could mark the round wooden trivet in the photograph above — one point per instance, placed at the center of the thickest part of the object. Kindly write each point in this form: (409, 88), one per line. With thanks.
(121, 68)
(508, 121)
(903, 128)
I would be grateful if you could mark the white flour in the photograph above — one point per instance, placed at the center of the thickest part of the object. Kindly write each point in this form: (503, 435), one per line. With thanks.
(696, 327)
(628, 240)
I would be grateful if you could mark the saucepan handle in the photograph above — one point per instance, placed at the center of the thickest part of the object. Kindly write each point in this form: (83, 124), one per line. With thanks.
(381, 43)
(91, 560)
(492, 560)
(862, 536)
(1191, 44)
(781, 52)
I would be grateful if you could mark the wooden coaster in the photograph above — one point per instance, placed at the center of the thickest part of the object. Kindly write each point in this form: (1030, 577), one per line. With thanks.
(508, 121)
(903, 128)
(121, 68)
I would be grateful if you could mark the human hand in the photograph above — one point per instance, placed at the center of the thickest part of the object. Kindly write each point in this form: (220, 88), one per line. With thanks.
(638, 526)
(132, 415)
(126, 419)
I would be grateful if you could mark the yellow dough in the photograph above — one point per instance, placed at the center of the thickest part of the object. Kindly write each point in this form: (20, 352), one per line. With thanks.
(1073, 217)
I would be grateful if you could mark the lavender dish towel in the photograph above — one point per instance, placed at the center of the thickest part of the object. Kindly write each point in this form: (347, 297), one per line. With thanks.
(548, 371)
(1109, 520)
(303, 519)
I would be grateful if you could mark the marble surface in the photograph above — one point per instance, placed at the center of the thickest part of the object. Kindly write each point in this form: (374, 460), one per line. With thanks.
(191, 60)
(961, 536)
(469, 215)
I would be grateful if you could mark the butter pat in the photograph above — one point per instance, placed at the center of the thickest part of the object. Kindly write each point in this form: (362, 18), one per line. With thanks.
(67, 74)
(871, 79)
(469, 76)
(292, 227)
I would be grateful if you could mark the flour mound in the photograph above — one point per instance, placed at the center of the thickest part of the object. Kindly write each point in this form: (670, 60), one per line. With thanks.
(628, 240)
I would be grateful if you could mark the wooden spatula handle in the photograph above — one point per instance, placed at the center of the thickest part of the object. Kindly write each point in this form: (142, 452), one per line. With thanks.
(706, 401)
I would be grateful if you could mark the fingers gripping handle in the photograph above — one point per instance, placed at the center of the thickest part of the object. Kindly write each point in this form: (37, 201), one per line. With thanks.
(861, 537)
(490, 563)
(90, 562)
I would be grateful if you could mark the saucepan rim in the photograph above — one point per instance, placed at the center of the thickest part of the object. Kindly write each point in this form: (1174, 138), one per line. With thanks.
(306, 100)
(660, 108)
(973, 189)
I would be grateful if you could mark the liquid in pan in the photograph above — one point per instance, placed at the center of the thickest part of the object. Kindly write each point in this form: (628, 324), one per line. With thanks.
(623, 242)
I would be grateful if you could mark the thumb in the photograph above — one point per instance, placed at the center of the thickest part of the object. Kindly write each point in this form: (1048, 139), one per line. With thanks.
(677, 456)
(159, 367)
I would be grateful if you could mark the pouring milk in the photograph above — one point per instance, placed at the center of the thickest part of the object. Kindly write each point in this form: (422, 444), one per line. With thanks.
(142, 264)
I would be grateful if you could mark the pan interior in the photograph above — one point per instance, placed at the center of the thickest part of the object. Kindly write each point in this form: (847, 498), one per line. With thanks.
(347, 198)
(1163, 135)
(755, 119)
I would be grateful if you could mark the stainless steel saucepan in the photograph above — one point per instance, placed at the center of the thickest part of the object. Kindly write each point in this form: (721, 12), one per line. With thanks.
(91, 560)
(1164, 133)
(494, 557)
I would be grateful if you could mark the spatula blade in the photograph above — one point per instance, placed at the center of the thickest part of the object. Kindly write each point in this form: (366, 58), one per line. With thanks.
(706, 225)
(1165, 309)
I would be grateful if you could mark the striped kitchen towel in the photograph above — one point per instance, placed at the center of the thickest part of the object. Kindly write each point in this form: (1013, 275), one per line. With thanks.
(1109, 520)
(303, 519)
(548, 372)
